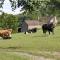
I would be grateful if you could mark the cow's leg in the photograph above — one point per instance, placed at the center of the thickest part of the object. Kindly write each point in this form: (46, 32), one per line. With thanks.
(49, 32)
(53, 31)
(44, 31)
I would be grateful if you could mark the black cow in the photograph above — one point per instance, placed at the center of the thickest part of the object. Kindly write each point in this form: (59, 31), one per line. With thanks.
(48, 28)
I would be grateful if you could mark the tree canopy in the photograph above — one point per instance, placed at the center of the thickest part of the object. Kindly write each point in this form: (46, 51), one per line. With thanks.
(45, 7)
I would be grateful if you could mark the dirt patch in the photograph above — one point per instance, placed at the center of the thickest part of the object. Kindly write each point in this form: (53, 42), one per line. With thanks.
(30, 56)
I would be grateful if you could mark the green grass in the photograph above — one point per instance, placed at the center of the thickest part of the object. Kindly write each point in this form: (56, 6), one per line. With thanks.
(5, 56)
(32, 43)
(35, 41)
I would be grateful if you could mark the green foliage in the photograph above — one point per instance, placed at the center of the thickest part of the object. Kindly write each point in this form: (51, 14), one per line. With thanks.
(8, 21)
(45, 7)
(1, 3)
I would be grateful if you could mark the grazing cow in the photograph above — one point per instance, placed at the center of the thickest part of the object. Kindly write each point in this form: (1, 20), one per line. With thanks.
(50, 25)
(48, 28)
(5, 34)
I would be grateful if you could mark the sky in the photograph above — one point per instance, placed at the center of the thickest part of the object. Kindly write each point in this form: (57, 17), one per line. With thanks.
(7, 8)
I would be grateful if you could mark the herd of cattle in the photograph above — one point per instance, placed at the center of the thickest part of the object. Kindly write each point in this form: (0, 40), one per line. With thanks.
(6, 33)
(47, 27)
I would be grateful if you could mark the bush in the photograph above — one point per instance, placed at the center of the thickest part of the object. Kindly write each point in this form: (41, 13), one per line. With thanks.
(9, 21)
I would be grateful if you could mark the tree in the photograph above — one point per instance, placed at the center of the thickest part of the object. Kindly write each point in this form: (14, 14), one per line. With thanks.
(46, 7)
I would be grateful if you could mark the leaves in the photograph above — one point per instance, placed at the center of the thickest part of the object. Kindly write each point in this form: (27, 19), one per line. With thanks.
(44, 6)
(8, 21)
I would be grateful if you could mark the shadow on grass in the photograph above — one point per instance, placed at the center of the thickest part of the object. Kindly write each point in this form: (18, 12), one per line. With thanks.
(5, 38)
(10, 47)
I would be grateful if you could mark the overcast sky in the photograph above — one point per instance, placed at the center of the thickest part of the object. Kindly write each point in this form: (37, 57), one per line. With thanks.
(7, 8)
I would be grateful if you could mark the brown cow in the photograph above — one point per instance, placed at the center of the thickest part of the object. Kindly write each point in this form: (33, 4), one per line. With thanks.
(5, 34)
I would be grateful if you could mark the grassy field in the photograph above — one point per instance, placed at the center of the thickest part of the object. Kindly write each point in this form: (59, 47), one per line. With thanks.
(32, 43)
(5, 56)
